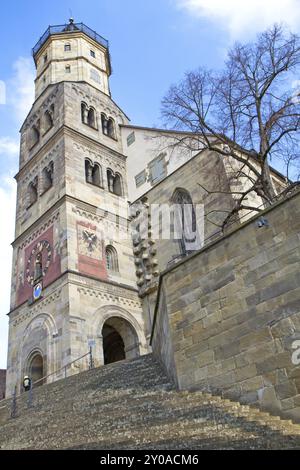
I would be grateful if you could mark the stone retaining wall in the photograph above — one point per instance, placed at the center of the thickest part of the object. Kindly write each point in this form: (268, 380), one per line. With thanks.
(230, 314)
(2, 383)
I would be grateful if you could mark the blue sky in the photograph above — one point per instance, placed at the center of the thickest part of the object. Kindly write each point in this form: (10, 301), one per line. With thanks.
(152, 44)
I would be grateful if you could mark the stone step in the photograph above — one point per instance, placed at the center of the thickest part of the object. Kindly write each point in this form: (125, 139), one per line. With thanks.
(132, 404)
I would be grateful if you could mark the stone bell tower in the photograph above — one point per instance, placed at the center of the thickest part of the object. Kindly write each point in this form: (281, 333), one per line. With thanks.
(73, 282)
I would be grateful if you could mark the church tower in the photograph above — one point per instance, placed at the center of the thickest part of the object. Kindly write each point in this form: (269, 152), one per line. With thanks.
(73, 280)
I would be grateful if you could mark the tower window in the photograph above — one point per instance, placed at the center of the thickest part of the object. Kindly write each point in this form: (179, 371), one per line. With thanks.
(68, 69)
(45, 58)
(34, 136)
(48, 119)
(114, 182)
(47, 176)
(108, 126)
(93, 54)
(111, 256)
(93, 173)
(84, 112)
(91, 118)
(67, 47)
(96, 175)
(32, 192)
(88, 115)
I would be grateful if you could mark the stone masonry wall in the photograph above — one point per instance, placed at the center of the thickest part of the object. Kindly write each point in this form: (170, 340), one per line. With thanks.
(233, 314)
(2, 383)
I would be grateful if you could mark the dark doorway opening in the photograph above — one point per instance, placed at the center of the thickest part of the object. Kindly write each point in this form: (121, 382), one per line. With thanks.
(113, 345)
(36, 370)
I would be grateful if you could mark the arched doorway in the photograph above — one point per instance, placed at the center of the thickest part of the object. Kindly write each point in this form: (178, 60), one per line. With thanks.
(36, 369)
(113, 345)
(120, 340)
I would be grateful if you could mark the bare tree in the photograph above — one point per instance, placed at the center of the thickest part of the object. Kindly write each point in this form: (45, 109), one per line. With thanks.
(248, 114)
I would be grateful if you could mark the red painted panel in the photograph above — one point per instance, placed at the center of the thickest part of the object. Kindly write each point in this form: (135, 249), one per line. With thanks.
(91, 263)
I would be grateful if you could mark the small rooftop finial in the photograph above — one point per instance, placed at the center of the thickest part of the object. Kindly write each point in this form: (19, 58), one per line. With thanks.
(71, 19)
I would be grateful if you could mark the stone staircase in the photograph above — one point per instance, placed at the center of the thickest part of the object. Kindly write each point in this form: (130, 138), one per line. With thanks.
(132, 405)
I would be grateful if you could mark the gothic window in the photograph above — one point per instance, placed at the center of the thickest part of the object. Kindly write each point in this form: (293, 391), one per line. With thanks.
(184, 219)
(93, 173)
(108, 126)
(47, 176)
(114, 182)
(34, 136)
(111, 256)
(32, 194)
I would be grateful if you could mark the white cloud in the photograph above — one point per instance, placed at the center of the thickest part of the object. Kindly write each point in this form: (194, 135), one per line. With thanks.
(21, 87)
(8, 146)
(243, 17)
(7, 214)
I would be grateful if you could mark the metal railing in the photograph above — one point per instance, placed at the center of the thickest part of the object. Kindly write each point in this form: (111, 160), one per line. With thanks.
(69, 28)
(64, 368)
(14, 404)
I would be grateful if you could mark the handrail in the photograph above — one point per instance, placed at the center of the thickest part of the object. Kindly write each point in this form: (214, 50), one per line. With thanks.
(64, 367)
(71, 28)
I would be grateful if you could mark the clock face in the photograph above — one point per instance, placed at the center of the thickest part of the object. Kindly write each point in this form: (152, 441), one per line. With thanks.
(42, 252)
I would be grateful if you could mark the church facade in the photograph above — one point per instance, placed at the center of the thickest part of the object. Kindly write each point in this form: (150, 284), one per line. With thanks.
(79, 281)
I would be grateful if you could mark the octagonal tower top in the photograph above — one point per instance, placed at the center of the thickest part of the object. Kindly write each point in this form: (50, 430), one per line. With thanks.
(72, 52)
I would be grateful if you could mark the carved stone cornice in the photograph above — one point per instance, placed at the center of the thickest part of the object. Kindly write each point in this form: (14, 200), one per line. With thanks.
(99, 215)
(102, 154)
(114, 294)
(37, 231)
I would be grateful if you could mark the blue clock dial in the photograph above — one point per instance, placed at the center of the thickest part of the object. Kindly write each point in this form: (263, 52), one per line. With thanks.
(37, 291)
